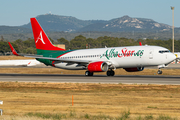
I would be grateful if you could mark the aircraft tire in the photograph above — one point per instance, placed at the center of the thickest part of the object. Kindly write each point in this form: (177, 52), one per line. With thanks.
(87, 73)
(91, 74)
(159, 72)
(112, 73)
(108, 73)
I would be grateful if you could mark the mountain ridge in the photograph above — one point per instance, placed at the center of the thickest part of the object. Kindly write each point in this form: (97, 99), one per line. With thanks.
(52, 22)
(127, 24)
(58, 23)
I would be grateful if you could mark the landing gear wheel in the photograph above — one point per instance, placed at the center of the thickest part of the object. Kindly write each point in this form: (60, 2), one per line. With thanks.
(91, 74)
(159, 71)
(110, 73)
(87, 73)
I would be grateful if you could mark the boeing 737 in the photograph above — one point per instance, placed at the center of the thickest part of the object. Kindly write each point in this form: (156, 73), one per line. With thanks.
(130, 58)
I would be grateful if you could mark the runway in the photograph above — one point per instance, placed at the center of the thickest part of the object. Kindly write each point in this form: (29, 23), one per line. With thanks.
(124, 79)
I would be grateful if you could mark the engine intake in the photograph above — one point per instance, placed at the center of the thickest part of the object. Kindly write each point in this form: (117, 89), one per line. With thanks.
(99, 66)
(136, 69)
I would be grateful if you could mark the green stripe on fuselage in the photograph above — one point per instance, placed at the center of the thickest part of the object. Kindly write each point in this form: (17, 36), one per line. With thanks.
(51, 54)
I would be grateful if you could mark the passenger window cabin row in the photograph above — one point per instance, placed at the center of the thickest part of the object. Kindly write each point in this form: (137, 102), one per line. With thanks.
(91, 56)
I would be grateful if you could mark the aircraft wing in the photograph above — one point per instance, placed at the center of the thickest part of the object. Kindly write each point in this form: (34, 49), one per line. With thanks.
(49, 58)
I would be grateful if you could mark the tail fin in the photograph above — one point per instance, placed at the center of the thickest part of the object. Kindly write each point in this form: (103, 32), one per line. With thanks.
(13, 50)
(140, 43)
(41, 40)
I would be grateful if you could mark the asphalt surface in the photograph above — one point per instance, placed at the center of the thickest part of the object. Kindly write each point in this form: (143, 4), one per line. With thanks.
(124, 79)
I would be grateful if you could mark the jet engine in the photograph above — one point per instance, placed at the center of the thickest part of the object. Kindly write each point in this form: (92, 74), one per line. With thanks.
(99, 66)
(135, 69)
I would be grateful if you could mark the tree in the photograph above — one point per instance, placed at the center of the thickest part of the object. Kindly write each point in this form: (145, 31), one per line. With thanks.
(63, 41)
(79, 42)
(20, 44)
(29, 43)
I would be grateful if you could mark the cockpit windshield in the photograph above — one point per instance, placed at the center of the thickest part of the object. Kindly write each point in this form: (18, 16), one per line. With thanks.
(164, 51)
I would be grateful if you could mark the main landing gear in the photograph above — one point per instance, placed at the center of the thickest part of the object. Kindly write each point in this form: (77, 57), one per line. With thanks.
(110, 73)
(159, 71)
(87, 73)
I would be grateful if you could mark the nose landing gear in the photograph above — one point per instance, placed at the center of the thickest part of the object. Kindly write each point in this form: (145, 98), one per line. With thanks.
(159, 71)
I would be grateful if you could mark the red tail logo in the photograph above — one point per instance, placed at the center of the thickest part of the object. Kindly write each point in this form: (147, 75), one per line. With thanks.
(41, 40)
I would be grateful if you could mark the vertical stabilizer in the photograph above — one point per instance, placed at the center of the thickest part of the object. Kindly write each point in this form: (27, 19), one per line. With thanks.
(41, 39)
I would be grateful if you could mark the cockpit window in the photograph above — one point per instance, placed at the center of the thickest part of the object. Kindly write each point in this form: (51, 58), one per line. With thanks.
(164, 51)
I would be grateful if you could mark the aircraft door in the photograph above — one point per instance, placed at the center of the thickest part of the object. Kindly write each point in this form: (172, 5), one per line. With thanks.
(151, 54)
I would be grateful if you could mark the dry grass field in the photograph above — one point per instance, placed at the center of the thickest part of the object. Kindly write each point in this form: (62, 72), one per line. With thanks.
(91, 101)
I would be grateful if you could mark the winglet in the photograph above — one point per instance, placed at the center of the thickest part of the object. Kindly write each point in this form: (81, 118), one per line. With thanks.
(13, 50)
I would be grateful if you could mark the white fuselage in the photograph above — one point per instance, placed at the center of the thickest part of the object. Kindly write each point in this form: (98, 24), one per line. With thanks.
(119, 57)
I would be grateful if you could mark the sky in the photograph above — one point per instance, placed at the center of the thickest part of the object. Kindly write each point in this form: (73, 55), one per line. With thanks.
(19, 12)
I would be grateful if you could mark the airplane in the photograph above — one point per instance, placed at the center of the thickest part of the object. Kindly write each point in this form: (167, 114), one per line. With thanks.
(26, 63)
(130, 58)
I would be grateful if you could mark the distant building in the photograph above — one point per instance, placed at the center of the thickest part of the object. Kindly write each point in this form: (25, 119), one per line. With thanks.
(60, 46)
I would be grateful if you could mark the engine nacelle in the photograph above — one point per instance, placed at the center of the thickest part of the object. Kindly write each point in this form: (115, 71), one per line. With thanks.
(136, 69)
(99, 66)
